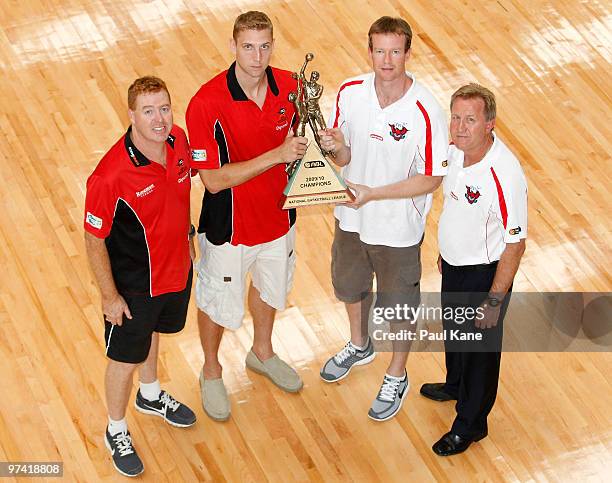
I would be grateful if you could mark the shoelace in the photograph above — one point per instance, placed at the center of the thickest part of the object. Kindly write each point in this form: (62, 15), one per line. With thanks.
(345, 353)
(388, 389)
(169, 401)
(124, 443)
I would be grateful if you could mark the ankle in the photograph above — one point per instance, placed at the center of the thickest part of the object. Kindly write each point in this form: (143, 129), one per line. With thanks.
(212, 370)
(263, 353)
(396, 372)
(359, 342)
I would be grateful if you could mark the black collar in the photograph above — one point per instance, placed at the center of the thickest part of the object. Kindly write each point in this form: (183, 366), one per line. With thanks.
(138, 159)
(235, 89)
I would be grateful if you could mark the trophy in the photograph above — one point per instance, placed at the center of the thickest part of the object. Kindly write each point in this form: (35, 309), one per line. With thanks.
(312, 179)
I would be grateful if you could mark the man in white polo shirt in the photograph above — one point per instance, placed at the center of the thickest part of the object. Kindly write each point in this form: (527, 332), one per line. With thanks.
(481, 235)
(389, 134)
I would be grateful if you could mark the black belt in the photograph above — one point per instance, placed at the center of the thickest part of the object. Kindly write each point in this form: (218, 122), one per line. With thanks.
(483, 267)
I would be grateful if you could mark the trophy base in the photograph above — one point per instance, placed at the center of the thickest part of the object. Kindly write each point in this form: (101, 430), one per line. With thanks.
(295, 201)
(313, 182)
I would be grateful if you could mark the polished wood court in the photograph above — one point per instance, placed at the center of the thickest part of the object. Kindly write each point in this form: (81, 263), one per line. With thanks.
(65, 68)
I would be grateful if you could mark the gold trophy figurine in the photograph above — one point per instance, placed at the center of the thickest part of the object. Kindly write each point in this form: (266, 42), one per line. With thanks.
(311, 181)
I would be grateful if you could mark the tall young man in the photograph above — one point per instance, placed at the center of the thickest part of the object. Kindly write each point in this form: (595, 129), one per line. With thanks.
(390, 137)
(136, 234)
(240, 129)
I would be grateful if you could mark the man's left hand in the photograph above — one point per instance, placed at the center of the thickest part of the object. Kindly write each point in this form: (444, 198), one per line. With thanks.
(491, 314)
(363, 194)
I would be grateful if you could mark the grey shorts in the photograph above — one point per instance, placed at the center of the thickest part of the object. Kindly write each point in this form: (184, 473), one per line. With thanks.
(354, 264)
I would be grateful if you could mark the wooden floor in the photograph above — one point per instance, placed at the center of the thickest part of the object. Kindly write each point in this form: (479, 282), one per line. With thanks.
(65, 68)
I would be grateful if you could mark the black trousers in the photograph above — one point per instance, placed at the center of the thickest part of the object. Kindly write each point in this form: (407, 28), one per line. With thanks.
(471, 375)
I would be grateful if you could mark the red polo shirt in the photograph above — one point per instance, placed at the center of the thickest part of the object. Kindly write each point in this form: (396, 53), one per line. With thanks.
(226, 127)
(141, 209)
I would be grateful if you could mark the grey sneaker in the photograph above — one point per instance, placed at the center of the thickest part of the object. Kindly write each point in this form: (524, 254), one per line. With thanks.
(173, 411)
(277, 370)
(214, 398)
(125, 459)
(390, 397)
(340, 365)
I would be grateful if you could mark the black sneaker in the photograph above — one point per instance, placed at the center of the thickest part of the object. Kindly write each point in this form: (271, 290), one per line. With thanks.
(125, 459)
(173, 411)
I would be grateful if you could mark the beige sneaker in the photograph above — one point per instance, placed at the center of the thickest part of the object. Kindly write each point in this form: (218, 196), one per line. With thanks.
(214, 398)
(278, 371)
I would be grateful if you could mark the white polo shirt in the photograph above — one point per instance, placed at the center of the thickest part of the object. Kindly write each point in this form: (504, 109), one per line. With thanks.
(485, 206)
(388, 145)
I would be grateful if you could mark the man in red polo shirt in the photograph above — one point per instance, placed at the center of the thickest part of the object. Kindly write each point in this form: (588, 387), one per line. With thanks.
(137, 228)
(240, 129)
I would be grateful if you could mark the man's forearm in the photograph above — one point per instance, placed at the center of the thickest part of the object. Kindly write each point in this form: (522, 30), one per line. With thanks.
(507, 267)
(100, 266)
(408, 188)
(235, 173)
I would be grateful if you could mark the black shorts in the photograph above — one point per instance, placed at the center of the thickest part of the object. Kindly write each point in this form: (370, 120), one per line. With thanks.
(164, 313)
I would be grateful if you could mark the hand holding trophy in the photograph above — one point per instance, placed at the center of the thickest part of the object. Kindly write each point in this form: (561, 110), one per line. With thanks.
(312, 180)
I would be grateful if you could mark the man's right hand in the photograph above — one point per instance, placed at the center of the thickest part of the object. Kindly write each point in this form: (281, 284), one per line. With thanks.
(332, 139)
(294, 147)
(114, 308)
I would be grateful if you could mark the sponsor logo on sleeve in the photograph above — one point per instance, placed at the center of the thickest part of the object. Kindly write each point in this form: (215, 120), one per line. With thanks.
(515, 231)
(93, 220)
(198, 154)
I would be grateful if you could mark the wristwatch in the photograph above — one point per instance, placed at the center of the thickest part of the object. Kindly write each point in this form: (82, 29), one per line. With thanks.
(192, 232)
(493, 301)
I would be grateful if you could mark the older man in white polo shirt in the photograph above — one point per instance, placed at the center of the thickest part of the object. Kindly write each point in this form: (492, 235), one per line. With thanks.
(481, 236)
(390, 136)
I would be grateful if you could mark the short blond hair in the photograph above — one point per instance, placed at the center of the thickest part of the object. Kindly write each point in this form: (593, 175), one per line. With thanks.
(391, 25)
(473, 90)
(252, 20)
(145, 85)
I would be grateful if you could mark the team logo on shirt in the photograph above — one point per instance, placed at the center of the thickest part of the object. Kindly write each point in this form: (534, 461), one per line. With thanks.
(472, 194)
(181, 167)
(515, 231)
(398, 131)
(282, 119)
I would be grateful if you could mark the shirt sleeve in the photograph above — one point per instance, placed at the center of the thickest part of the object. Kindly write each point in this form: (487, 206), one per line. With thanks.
(432, 159)
(511, 206)
(202, 130)
(100, 205)
(337, 118)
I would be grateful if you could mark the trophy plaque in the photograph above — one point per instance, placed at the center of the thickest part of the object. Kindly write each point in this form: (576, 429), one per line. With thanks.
(312, 179)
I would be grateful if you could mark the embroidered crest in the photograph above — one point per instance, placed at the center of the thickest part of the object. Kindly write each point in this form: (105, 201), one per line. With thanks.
(398, 131)
(472, 194)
